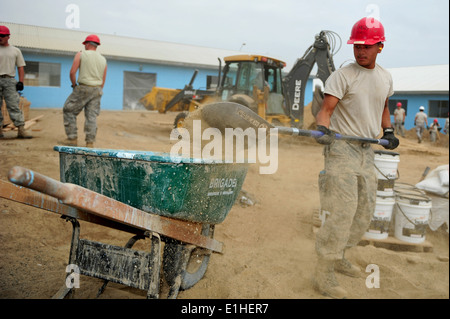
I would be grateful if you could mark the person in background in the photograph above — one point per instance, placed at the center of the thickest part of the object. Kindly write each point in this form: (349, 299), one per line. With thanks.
(421, 123)
(446, 125)
(399, 120)
(10, 58)
(434, 129)
(86, 94)
(355, 103)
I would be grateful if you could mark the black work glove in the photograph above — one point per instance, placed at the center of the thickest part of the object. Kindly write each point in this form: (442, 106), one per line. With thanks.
(388, 134)
(328, 136)
(19, 86)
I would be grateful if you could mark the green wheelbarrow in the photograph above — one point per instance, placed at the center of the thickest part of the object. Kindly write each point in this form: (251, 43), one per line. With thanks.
(173, 199)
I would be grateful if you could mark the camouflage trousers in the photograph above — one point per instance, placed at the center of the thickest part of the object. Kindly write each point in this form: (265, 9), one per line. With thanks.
(347, 189)
(420, 128)
(399, 128)
(9, 93)
(87, 98)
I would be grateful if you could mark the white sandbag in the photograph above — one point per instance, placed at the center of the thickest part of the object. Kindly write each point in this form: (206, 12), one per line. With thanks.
(433, 182)
(439, 213)
(443, 176)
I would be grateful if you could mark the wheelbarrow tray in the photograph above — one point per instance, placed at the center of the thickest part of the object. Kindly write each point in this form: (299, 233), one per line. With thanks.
(183, 188)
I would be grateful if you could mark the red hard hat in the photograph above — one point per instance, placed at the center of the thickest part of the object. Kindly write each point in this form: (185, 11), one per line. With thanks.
(4, 30)
(399, 104)
(367, 31)
(92, 38)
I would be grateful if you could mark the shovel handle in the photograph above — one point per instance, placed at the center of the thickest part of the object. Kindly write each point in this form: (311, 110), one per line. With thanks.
(300, 132)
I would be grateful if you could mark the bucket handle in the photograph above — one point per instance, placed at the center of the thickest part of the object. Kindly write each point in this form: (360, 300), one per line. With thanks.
(398, 174)
(407, 216)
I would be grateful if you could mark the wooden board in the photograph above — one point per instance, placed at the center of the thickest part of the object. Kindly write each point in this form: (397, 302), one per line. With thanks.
(425, 246)
(28, 124)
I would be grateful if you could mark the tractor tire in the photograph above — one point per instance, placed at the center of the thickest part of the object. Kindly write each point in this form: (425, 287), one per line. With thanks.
(179, 119)
(196, 267)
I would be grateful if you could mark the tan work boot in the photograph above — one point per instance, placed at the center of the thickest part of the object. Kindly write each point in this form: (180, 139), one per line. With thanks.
(325, 281)
(68, 142)
(90, 144)
(345, 267)
(22, 133)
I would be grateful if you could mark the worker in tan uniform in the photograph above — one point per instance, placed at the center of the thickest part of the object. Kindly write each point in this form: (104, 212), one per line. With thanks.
(399, 120)
(355, 104)
(10, 58)
(86, 93)
(421, 123)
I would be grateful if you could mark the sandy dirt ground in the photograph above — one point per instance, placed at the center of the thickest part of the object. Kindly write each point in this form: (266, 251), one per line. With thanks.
(268, 247)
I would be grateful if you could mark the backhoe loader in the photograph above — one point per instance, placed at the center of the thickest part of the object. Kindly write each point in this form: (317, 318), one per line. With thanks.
(257, 82)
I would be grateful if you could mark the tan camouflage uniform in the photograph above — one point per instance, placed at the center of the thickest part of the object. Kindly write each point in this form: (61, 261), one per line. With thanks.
(350, 169)
(9, 93)
(87, 98)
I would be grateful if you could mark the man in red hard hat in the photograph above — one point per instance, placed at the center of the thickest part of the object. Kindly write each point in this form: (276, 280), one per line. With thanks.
(10, 58)
(92, 38)
(399, 119)
(86, 94)
(355, 103)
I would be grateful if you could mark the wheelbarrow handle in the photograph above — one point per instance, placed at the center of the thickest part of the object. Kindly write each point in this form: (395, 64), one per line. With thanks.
(44, 184)
(101, 205)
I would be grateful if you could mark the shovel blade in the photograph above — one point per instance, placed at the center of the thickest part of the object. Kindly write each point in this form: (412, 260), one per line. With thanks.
(222, 115)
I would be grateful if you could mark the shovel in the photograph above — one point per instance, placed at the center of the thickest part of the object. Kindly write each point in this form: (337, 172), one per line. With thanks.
(224, 115)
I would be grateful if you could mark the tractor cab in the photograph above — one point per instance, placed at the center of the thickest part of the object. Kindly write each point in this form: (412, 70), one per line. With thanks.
(254, 81)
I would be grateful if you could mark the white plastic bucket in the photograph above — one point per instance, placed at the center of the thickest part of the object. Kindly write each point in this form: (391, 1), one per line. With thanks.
(386, 164)
(381, 218)
(411, 217)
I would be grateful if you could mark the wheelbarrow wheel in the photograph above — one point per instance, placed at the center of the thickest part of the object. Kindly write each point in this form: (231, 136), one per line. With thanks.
(176, 254)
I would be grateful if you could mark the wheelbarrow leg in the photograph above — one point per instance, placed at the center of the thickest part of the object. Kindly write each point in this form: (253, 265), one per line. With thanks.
(155, 267)
(129, 244)
(65, 289)
(179, 271)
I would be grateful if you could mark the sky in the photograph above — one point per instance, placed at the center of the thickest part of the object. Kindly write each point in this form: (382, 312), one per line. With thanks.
(417, 31)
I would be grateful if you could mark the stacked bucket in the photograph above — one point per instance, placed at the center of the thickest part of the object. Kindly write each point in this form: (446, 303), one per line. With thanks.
(409, 206)
(386, 164)
(412, 212)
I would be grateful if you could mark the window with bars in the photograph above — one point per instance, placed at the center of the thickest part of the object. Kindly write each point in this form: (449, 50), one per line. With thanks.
(42, 74)
(438, 108)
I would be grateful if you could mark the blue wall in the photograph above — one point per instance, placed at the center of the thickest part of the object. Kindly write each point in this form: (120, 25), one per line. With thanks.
(169, 77)
(175, 77)
(414, 102)
(41, 96)
(166, 76)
